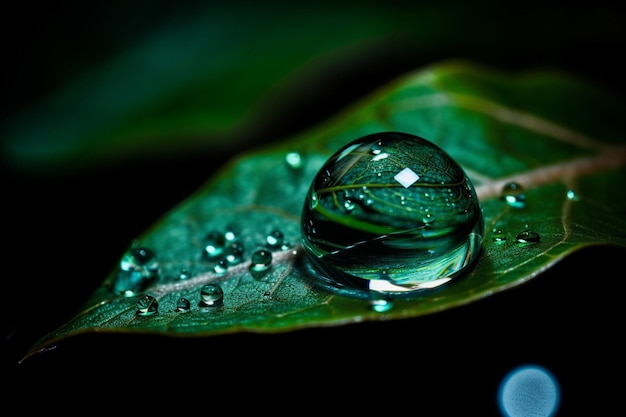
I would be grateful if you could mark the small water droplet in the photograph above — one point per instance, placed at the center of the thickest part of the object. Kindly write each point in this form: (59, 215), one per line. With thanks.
(138, 268)
(404, 237)
(380, 305)
(184, 274)
(234, 253)
(527, 237)
(221, 266)
(214, 245)
(147, 305)
(211, 295)
(513, 194)
(293, 159)
(572, 195)
(183, 305)
(261, 260)
(274, 239)
(230, 235)
(349, 205)
(499, 236)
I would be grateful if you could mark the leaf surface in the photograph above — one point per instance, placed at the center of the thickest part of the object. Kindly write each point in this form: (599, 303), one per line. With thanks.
(557, 137)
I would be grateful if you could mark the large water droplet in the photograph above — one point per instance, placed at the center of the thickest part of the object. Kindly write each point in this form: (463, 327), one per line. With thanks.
(211, 295)
(138, 268)
(403, 235)
(147, 305)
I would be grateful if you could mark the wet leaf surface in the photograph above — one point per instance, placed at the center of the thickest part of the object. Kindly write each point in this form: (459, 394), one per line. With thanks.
(554, 136)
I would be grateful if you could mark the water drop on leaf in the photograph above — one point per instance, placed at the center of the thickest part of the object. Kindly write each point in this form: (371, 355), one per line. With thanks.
(527, 237)
(294, 160)
(147, 305)
(275, 239)
(499, 236)
(234, 253)
(231, 233)
(184, 274)
(138, 268)
(261, 260)
(211, 295)
(214, 245)
(183, 305)
(572, 195)
(416, 226)
(221, 266)
(513, 194)
(381, 306)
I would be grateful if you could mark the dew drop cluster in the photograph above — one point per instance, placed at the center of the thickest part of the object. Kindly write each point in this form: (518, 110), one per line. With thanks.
(223, 248)
(210, 296)
(514, 195)
(523, 238)
(139, 269)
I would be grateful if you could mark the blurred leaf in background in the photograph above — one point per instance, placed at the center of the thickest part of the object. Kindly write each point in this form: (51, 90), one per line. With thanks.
(223, 77)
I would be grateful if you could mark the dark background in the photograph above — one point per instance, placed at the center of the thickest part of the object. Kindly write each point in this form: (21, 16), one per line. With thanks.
(64, 233)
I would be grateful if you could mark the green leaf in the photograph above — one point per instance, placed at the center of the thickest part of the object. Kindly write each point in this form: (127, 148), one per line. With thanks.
(555, 136)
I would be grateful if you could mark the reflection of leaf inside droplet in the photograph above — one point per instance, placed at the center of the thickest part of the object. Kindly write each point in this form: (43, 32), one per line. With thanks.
(404, 232)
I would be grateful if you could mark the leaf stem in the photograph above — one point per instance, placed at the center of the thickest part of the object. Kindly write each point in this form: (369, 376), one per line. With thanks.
(565, 171)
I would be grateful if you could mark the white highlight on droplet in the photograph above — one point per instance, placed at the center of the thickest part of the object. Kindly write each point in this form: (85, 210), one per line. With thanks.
(529, 391)
(406, 177)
